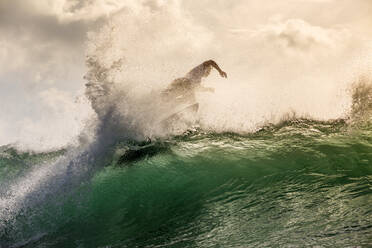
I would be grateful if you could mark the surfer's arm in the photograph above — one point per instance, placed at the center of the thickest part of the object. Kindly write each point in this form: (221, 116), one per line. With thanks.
(210, 62)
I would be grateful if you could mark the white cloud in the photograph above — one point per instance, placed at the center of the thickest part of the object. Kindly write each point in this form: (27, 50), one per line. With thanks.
(299, 35)
(62, 119)
(88, 10)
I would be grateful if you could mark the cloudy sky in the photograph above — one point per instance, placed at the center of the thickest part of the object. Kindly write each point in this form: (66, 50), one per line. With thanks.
(43, 47)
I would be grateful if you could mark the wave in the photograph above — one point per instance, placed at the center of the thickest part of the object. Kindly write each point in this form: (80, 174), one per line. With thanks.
(361, 111)
(187, 181)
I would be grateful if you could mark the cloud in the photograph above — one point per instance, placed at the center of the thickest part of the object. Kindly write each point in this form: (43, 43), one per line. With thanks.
(64, 11)
(36, 48)
(39, 52)
(300, 35)
(61, 120)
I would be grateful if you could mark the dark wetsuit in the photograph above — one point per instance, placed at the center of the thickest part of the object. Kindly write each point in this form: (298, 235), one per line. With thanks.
(182, 90)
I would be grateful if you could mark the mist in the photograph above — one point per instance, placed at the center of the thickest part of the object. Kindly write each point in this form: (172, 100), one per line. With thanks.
(278, 66)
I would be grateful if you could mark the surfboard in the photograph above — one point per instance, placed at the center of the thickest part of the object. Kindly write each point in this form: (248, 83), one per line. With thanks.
(139, 152)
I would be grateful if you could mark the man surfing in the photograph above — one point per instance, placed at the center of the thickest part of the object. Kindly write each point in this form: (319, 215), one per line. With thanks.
(182, 90)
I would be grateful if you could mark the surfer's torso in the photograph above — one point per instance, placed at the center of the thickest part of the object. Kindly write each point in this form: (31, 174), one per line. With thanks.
(183, 89)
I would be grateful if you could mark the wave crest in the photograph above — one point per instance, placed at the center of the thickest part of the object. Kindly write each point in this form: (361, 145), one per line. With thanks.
(361, 109)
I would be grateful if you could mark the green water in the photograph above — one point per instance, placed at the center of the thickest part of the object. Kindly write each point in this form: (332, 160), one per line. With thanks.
(299, 184)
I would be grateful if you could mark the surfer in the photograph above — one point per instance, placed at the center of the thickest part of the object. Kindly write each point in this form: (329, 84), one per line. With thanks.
(182, 90)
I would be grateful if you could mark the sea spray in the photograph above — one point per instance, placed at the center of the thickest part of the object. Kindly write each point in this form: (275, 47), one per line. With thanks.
(280, 67)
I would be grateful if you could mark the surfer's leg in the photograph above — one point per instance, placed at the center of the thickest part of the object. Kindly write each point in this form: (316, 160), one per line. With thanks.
(196, 107)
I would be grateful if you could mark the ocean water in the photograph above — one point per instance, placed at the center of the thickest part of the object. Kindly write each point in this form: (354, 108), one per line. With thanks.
(300, 183)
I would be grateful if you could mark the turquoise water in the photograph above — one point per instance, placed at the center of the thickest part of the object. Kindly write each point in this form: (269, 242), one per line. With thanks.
(302, 183)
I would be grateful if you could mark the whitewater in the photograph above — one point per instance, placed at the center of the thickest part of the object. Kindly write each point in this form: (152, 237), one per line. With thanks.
(280, 155)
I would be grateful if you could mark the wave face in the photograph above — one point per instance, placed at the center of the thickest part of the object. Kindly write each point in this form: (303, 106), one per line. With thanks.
(299, 183)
